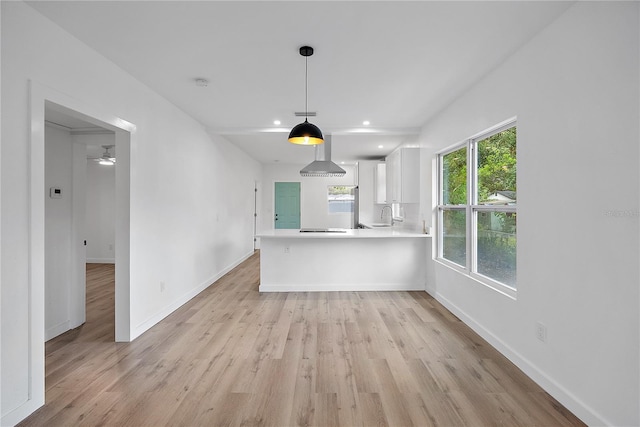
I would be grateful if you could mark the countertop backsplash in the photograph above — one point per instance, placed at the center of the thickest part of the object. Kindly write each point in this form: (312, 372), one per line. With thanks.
(409, 211)
(411, 221)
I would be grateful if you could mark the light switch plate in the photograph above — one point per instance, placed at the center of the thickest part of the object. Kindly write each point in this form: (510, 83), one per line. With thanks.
(55, 193)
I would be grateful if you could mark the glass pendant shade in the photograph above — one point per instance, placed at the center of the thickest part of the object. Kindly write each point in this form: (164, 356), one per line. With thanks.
(306, 134)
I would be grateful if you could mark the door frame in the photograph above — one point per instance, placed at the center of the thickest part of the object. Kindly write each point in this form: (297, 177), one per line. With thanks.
(257, 213)
(125, 138)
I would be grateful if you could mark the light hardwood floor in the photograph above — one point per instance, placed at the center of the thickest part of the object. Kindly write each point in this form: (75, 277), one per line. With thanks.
(235, 357)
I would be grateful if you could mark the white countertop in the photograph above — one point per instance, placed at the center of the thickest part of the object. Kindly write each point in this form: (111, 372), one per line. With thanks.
(376, 233)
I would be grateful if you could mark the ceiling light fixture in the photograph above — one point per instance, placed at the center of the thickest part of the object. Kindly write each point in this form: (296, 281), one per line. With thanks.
(276, 122)
(306, 133)
(366, 123)
(107, 159)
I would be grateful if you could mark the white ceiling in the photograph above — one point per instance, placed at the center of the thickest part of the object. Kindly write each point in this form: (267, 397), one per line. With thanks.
(393, 63)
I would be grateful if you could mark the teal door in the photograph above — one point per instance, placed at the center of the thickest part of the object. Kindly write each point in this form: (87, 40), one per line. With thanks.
(287, 205)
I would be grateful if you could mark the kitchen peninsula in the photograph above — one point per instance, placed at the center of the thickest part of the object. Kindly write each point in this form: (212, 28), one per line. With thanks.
(343, 260)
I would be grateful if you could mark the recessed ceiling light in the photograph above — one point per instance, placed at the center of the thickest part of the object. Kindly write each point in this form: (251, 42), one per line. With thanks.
(380, 146)
(366, 123)
(276, 122)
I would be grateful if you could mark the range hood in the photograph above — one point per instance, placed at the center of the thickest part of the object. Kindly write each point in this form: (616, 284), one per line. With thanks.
(322, 166)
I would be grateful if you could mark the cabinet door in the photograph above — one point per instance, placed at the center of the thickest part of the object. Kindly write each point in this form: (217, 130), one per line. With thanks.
(394, 178)
(380, 183)
(403, 176)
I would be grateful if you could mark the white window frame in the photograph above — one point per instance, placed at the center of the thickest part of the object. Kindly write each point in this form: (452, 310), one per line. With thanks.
(471, 209)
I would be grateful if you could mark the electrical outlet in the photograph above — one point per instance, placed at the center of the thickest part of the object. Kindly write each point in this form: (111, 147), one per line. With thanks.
(286, 249)
(110, 247)
(162, 286)
(541, 332)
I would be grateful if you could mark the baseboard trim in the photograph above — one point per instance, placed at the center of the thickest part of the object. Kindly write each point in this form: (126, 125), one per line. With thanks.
(565, 397)
(21, 412)
(56, 330)
(382, 287)
(100, 260)
(153, 320)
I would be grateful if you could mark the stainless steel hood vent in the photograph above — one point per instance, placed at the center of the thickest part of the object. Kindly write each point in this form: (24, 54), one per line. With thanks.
(322, 166)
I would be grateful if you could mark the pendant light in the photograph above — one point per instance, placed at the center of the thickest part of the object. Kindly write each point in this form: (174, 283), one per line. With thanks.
(306, 133)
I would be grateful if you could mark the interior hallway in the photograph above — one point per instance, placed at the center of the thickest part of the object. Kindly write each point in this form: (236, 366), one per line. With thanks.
(233, 356)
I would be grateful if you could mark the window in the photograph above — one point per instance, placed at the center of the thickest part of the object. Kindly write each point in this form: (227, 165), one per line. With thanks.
(454, 211)
(341, 198)
(477, 207)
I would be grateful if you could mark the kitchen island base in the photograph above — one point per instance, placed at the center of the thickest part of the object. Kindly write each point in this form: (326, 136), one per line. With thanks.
(357, 261)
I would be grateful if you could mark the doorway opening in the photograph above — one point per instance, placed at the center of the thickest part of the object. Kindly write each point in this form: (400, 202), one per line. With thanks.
(79, 219)
(45, 98)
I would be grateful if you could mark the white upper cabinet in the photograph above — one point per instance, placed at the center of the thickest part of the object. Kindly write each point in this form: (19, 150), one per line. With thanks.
(403, 176)
(380, 183)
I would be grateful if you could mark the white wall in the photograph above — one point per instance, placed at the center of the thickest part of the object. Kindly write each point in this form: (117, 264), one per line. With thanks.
(575, 91)
(101, 221)
(100, 203)
(65, 169)
(191, 194)
(314, 211)
(58, 221)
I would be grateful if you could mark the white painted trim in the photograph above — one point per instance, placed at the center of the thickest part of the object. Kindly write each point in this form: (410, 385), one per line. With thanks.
(1, 418)
(39, 94)
(101, 261)
(56, 330)
(587, 414)
(482, 280)
(125, 139)
(332, 287)
(35, 397)
(78, 285)
(20, 413)
(166, 311)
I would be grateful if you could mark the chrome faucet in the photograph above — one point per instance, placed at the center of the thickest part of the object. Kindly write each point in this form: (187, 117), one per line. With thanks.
(390, 213)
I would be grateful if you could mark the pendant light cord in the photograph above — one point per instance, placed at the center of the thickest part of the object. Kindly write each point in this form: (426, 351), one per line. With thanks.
(306, 85)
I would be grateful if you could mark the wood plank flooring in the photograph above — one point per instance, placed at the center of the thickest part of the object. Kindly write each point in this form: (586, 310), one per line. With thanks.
(235, 357)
